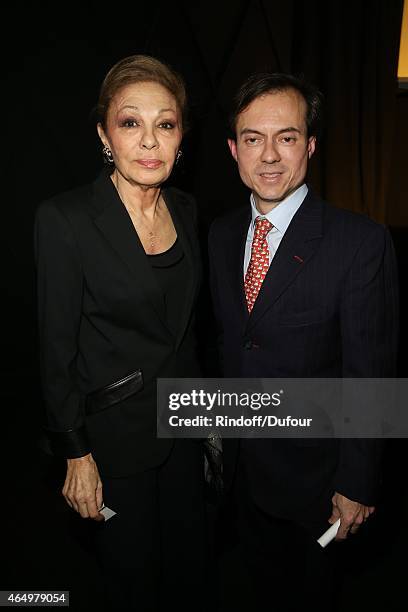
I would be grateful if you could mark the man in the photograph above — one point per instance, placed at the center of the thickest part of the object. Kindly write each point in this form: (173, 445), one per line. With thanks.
(300, 289)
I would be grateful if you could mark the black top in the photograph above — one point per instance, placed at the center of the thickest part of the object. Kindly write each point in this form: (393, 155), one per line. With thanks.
(172, 274)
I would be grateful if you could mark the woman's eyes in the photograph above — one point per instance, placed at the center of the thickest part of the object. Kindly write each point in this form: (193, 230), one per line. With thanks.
(167, 125)
(131, 123)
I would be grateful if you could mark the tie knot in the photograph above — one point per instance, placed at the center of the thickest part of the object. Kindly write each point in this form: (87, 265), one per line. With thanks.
(262, 227)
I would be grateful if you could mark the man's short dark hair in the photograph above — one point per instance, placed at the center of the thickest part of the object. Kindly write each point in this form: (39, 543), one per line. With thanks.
(264, 83)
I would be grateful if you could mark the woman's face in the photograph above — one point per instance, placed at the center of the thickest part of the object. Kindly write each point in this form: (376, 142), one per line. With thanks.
(143, 131)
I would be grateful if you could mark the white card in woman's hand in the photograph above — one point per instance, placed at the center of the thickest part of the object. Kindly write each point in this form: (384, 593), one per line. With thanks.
(107, 512)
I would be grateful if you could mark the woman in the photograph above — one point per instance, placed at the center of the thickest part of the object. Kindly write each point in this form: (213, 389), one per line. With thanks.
(118, 274)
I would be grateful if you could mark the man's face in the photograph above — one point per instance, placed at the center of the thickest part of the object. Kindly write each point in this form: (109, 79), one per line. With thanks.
(272, 148)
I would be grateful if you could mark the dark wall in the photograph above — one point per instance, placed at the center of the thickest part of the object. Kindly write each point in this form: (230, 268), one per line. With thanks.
(398, 185)
(397, 215)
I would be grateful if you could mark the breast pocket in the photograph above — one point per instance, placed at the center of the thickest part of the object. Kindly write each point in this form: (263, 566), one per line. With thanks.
(311, 316)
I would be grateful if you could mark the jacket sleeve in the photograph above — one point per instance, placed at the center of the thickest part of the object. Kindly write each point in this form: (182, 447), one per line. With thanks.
(59, 296)
(369, 327)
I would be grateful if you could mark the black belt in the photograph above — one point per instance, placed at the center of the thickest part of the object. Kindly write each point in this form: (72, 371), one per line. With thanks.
(115, 392)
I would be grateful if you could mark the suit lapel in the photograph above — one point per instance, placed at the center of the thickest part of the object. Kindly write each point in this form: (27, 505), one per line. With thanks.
(113, 220)
(235, 253)
(299, 243)
(186, 234)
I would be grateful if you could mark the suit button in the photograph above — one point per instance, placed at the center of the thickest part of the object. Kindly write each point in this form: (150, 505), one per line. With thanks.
(248, 345)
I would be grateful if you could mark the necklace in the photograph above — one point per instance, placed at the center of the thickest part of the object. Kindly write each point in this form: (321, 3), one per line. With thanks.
(140, 224)
(137, 218)
(153, 239)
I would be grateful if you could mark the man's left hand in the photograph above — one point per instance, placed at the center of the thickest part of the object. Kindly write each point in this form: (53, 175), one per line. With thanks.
(351, 514)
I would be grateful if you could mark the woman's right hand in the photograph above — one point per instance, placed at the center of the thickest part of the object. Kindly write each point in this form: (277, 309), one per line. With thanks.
(83, 487)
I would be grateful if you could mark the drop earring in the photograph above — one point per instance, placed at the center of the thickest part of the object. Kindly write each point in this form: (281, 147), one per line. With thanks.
(107, 155)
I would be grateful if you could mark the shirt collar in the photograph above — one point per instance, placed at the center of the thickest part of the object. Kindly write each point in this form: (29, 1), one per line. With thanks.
(282, 214)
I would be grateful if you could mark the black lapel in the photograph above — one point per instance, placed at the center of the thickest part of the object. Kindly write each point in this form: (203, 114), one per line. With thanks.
(186, 233)
(299, 243)
(235, 253)
(114, 222)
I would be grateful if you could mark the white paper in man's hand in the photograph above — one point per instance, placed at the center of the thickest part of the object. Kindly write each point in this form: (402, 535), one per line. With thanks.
(329, 535)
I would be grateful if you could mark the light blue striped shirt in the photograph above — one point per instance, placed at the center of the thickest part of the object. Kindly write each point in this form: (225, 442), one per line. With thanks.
(280, 217)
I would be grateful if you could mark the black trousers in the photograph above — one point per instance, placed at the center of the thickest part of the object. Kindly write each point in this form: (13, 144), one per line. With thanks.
(280, 565)
(152, 552)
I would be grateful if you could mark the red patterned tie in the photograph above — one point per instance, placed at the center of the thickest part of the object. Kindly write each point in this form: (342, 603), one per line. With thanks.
(259, 263)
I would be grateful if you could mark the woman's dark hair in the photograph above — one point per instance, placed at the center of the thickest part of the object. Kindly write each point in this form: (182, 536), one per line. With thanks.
(141, 69)
(264, 83)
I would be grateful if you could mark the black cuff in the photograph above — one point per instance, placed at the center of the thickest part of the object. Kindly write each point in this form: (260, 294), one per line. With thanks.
(69, 444)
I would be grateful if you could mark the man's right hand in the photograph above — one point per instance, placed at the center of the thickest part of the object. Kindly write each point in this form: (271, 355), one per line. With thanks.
(351, 513)
(83, 487)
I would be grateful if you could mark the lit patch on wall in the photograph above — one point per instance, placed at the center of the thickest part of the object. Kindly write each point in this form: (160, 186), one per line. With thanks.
(403, 52)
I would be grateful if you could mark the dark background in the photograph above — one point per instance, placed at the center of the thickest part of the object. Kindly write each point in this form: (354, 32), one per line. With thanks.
(49, 144)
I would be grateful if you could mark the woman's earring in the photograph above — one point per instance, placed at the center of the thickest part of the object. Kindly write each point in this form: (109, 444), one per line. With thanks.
(179, 155)
(107, 155)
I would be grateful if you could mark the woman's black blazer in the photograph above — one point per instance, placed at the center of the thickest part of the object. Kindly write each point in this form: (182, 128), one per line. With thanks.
(102, 317)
